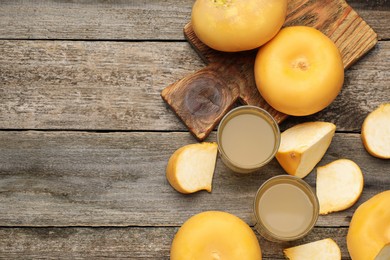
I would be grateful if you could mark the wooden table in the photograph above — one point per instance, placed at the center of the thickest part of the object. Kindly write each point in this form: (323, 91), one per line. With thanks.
(85, 136)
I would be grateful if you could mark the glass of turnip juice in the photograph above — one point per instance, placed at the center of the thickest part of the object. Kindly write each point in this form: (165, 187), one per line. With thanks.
(248, 138)
(286, 208)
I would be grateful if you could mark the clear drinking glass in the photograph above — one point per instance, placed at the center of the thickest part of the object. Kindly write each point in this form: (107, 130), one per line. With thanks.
(286, 208)
(248, 138)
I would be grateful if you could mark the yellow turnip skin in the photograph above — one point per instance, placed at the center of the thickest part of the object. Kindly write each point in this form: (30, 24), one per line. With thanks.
(369, 230)
(215, 235)
(300, 71)
(237, 25)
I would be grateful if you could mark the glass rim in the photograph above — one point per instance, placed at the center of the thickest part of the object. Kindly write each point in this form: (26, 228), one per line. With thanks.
(271, 120)
(310, 194)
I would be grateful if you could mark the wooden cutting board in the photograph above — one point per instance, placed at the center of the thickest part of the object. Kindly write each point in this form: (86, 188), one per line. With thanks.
(202, 99)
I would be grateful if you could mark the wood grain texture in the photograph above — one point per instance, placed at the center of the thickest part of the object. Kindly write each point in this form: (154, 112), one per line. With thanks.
(118, 179)
(123, 243)
(106, 85)
(94, 19)
(127, 20)
(201, 100)
(117, 86)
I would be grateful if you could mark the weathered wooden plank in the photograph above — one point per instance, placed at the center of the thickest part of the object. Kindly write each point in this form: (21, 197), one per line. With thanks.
(90, 85)
(370, 4)
(127, 242)
(118, 179)
(377, 16)
(117, 85)
(126, 20)
(94, 19)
